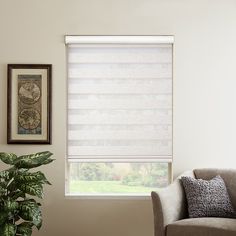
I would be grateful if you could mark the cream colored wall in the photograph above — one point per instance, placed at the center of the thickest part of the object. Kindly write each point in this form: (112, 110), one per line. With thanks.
(204, 91)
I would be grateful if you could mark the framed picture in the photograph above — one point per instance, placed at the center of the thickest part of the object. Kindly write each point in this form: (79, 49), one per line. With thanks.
(29, 104)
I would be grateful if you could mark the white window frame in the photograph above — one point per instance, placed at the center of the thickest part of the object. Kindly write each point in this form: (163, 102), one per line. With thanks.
(84, 39)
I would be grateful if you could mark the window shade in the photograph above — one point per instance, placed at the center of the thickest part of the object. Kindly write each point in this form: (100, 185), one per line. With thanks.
(119, 101)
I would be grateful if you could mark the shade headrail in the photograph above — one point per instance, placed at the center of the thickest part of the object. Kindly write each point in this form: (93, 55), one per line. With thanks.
(134, 39)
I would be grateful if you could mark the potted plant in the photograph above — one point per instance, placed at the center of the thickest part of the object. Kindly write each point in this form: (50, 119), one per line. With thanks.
(19, 211)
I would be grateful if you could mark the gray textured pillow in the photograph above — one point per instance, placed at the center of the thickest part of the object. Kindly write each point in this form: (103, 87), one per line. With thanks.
(207, 198)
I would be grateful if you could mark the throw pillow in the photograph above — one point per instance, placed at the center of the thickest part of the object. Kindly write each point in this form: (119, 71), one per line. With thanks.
(207, 198)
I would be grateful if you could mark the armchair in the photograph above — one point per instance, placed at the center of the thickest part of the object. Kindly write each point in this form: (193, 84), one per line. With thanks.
(171, 214)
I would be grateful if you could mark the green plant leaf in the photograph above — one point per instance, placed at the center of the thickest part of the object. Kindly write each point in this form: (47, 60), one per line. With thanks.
(7, 174)
(16, 194)
(3, 190)
(3, 217)
(10, 206)
(8, 158)
(8, 229)
(33, 160)
(34, 189)
(25, 228)
(30, 211)
(6, 180)
(11, 187)
(27, 177)
(4, 174)
(49, 160)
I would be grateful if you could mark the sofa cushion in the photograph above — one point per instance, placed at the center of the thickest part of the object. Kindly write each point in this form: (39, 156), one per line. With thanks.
(207, 226)
(228, 175)
(207, 198)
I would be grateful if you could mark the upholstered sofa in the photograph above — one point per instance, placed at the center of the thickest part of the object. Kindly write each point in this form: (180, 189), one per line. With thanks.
(171, 213)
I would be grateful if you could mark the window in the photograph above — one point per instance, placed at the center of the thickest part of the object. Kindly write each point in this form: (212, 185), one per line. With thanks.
(119, 114)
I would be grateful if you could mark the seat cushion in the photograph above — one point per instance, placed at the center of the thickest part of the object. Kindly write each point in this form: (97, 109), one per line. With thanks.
(206, 226)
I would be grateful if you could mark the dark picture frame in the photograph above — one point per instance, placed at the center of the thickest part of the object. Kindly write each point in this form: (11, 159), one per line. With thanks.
(29, 103)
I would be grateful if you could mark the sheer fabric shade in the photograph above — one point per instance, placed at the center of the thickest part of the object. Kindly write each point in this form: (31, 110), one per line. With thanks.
(120, 101)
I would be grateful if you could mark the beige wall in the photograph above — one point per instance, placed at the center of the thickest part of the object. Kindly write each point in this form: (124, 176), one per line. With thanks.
(204, 91)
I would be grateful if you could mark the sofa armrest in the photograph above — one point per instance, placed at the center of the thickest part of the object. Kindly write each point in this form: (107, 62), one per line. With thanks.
(169, 205)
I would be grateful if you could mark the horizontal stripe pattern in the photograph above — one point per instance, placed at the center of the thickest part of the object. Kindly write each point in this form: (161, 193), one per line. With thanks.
(120, 101)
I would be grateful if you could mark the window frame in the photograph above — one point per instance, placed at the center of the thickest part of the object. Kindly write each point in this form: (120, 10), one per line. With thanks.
(115, 39)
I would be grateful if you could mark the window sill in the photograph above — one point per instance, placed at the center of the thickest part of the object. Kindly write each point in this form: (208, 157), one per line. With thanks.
(109, 196)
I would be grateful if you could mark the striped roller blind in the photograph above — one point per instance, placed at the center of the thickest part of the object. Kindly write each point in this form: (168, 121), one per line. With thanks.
(119, 99)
